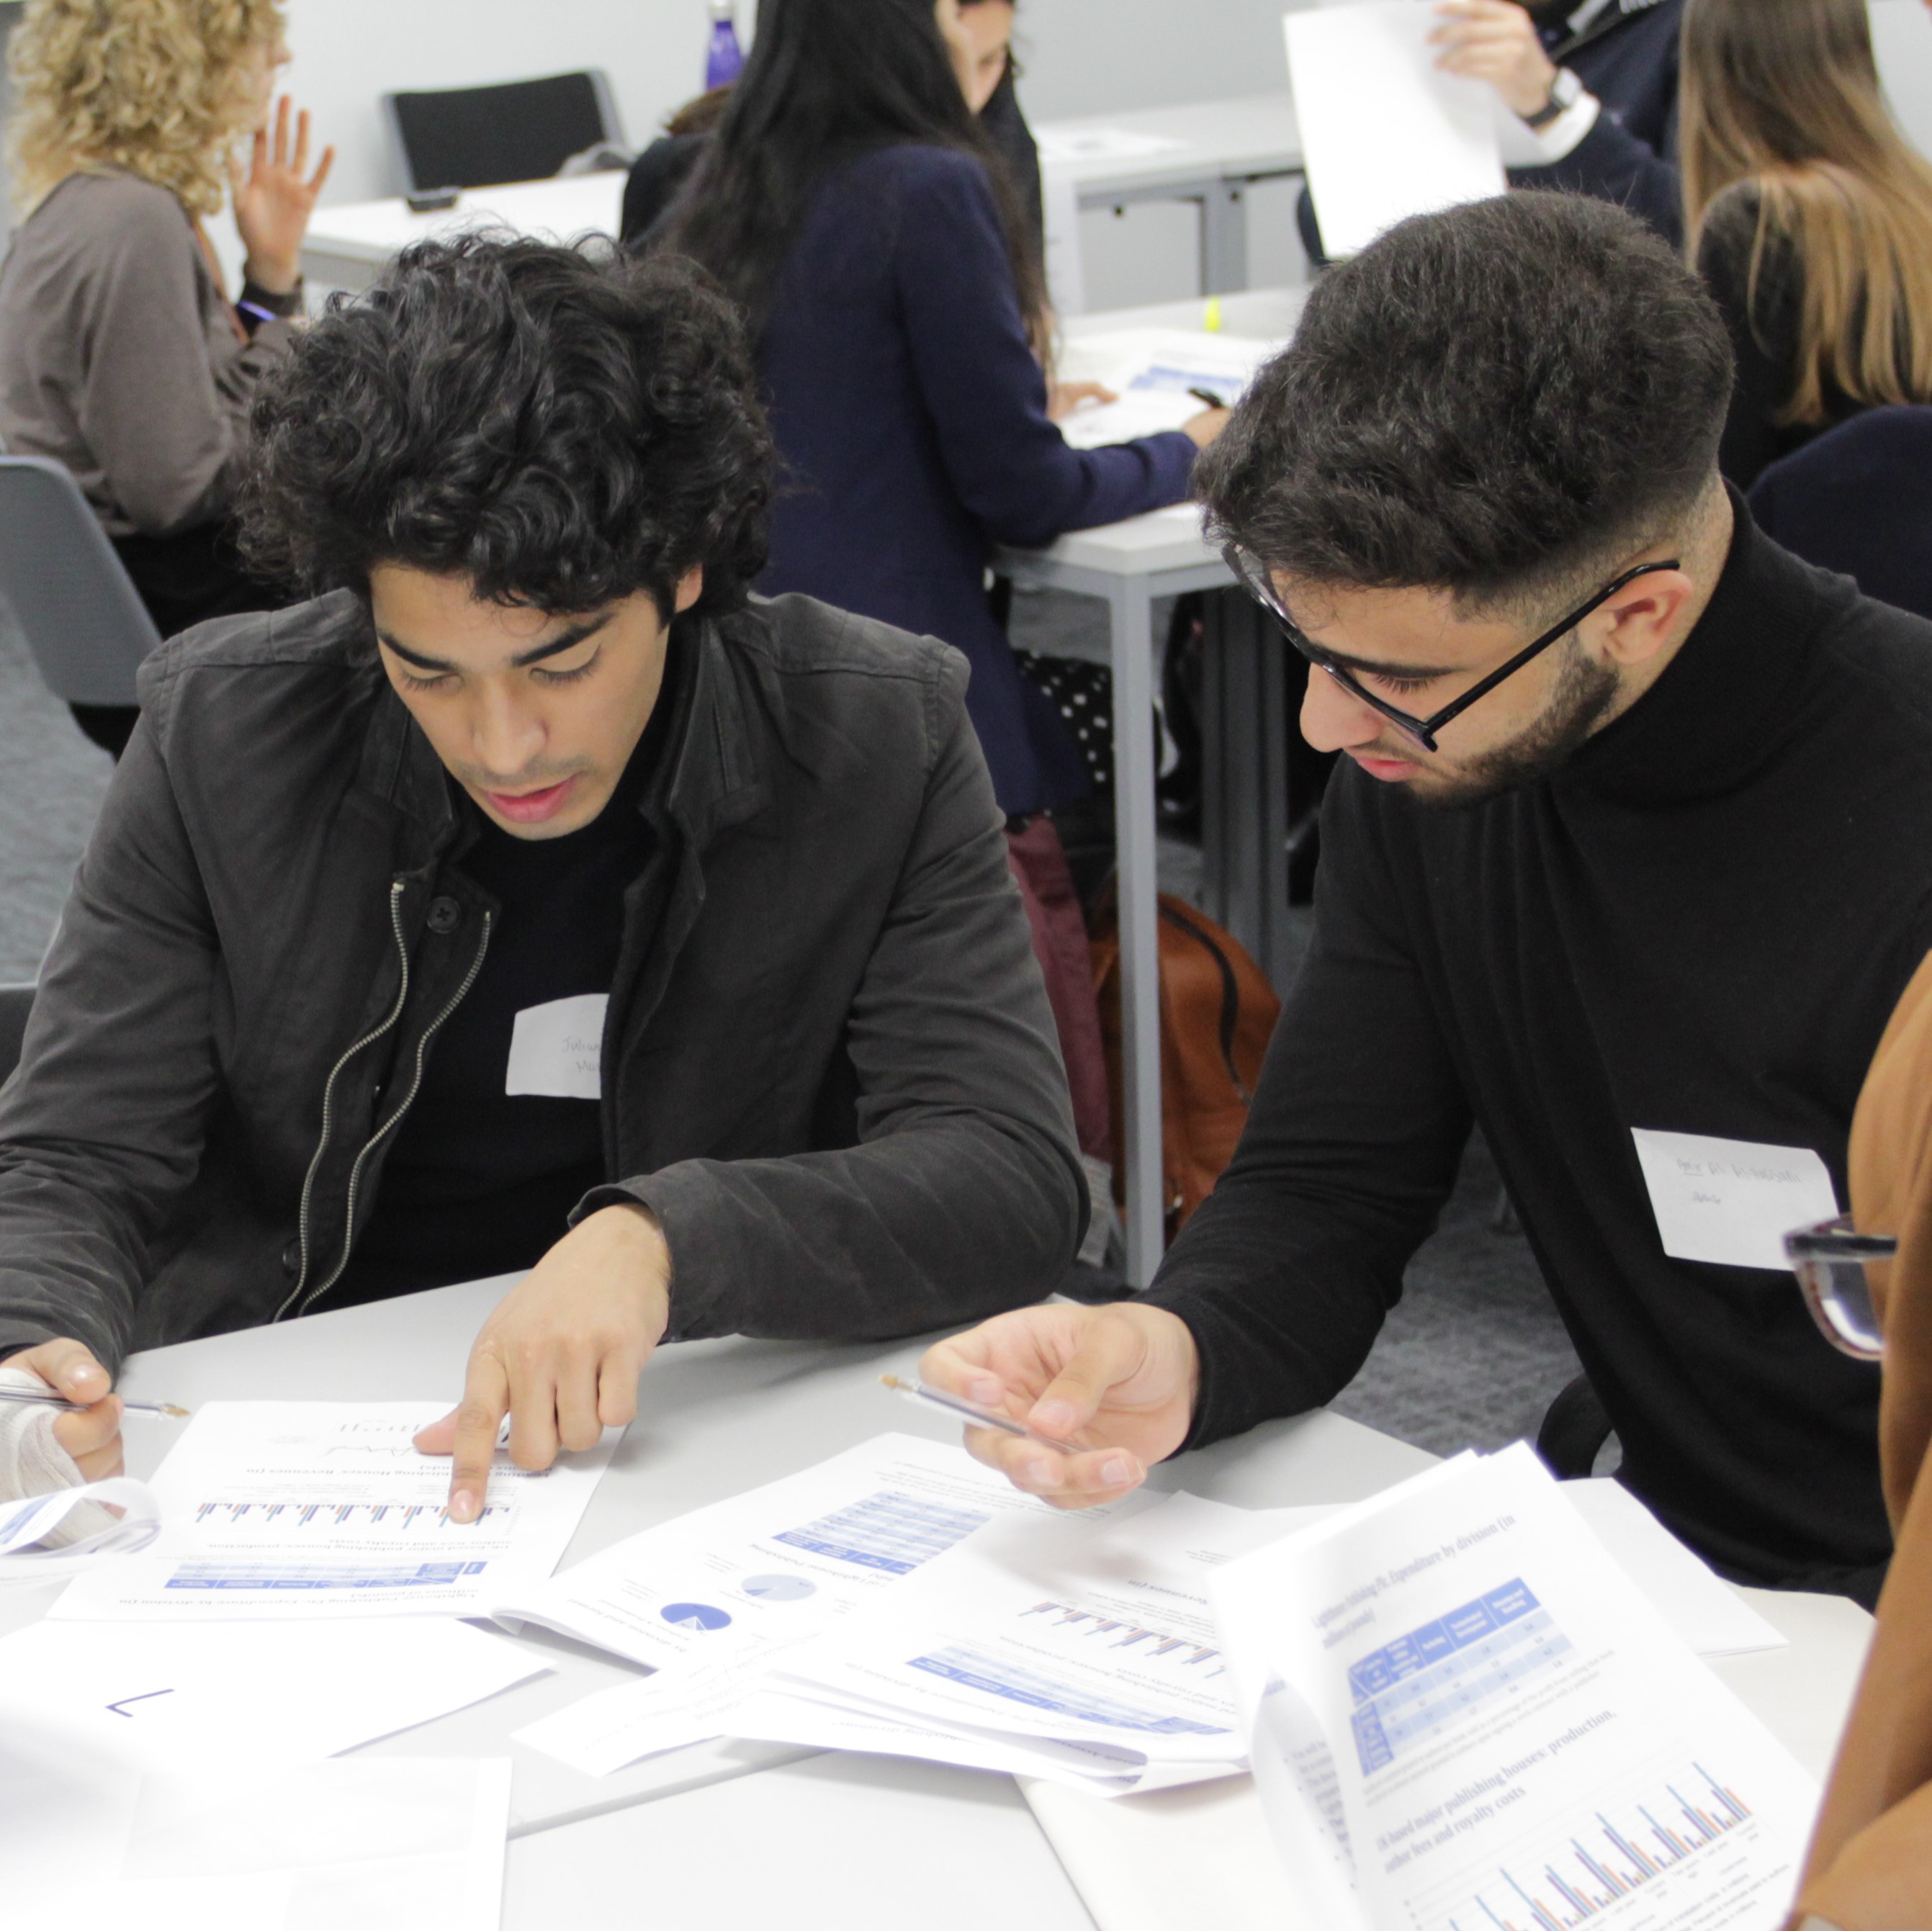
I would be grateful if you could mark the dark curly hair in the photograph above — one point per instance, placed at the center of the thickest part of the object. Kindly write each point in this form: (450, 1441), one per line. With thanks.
(563, 426)
(1492, 401)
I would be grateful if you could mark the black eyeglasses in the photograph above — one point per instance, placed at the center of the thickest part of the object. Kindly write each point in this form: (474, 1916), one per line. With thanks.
(1829, 1261)
(1254, 578)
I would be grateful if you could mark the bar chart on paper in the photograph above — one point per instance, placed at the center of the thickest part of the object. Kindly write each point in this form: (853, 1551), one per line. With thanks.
(1669, 1831)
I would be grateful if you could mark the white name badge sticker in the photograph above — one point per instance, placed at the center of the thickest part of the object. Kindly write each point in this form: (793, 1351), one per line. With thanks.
(1731, 1201)
(557, 1049)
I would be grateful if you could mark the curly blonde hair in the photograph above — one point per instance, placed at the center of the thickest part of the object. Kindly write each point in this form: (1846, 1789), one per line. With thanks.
(159, 88)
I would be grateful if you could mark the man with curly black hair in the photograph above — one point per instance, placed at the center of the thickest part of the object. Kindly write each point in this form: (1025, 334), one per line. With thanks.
(532, 898)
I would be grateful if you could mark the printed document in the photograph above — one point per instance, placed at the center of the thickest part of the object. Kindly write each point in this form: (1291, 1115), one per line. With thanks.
(156, 1695)
(1154, 372)
(709, 1601)
(1386, 133)
(284, 1510)
(1079, 1650)
(1461, 1713)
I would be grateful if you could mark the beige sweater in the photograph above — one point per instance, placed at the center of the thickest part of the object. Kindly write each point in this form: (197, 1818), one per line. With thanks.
(118, 356)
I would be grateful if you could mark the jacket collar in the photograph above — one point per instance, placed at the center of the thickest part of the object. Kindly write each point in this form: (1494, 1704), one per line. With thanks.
(709, 781)
(1732, 695)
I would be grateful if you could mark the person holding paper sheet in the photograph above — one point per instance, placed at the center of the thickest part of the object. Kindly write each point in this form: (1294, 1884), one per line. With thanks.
(1594, 87)
(532, 898)
(1627, 860)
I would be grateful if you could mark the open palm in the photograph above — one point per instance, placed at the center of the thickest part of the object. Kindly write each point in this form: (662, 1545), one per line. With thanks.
(274, 195)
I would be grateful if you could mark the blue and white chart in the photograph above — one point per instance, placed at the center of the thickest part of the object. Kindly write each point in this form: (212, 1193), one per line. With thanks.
(710, 1600)
(1081, 1649)
(275, 1509)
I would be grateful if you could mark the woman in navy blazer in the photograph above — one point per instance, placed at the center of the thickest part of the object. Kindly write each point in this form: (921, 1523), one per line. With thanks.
(853, 205)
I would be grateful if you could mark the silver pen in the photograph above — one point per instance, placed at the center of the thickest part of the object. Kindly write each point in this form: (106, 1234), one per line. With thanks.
(51, 1400)
(930, 1397)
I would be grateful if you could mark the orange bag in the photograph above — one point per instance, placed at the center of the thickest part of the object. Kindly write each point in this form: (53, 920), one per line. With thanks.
(1217, 1014)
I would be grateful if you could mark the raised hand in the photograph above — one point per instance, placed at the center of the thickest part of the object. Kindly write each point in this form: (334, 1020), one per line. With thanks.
(273, 200)
(1116, 1383)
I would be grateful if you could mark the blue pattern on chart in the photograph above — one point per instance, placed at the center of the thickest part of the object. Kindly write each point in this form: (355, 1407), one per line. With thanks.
(997, 1677)
(887, 1531)
(1416, 1686)
(318, 1575)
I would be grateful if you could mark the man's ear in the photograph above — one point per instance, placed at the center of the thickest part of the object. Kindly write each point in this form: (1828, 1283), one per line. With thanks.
(690, 587)
(1642, 618)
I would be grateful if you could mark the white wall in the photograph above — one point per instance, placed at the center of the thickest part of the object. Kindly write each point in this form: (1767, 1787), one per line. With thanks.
(1080, 57)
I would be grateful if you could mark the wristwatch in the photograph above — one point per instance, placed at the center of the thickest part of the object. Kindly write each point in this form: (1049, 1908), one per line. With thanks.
(1565, 91)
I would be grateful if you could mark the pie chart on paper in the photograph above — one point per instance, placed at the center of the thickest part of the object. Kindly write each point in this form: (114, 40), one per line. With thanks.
(780, 1588)
(695, 1616)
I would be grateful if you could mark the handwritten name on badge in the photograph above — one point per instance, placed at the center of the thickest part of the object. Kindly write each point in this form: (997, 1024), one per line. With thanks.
(557, 1049)
(1731, 1201)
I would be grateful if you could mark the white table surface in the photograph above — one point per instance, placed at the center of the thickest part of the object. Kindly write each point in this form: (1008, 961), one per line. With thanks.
(837, 1840)
(1247, 139)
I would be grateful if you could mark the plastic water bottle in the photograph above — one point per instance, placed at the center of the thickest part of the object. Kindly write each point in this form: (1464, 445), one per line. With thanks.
(725, 56)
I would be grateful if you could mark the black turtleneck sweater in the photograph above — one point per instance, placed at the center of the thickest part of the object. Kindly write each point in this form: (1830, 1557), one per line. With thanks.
(1700, 925)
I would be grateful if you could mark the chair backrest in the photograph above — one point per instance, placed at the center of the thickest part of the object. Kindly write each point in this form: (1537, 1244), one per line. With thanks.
(84, 621)
(16, 1002)
(1858, 500)
(479, 136)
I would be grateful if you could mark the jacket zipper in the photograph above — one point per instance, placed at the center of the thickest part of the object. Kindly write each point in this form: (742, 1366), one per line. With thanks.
(297, 1302)
(395, 1119)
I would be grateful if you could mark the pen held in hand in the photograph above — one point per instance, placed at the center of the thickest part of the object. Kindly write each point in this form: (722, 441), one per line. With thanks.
(930, 1397)
(51, 1400)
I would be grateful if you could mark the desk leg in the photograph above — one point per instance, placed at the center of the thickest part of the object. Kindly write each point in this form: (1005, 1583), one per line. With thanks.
(1131, 607)
(1224, 239)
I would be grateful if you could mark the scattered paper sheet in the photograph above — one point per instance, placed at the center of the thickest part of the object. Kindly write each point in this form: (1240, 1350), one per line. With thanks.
(1386, 134)
(1154, 371)
(154, 1695)
(290, 1510)
(1460, 1709)
(710, 1600)
(1082, 1649)
(25, 1525)
(381, 1844)
(1102, 144)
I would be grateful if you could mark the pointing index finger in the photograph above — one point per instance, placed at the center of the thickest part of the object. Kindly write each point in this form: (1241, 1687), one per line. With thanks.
(486, 1400)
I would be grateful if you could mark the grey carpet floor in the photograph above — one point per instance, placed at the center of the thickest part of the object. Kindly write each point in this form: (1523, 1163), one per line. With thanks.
(1470, 1356)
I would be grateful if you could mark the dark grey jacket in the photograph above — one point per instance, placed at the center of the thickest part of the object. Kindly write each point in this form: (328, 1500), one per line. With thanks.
(829, 1066)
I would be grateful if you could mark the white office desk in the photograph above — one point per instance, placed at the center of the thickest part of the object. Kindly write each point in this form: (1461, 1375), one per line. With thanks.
(1127, 565)
(1222, 148)
(1225, 146)
(841, 1841)
(349, 245)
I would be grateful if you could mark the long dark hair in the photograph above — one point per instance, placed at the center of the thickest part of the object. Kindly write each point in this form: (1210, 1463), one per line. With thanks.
(827, 79)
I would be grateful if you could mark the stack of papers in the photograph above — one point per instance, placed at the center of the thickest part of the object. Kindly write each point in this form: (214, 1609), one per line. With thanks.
(1154, 371)
(710, 1602)
(1077, 1650)
(1460, 1710)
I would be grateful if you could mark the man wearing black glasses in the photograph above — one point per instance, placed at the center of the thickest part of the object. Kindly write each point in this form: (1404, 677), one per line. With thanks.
(1628, 861)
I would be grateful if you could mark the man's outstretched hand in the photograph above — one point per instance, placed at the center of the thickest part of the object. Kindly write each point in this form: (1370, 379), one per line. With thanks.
(1116, 1383)
(561, 1353)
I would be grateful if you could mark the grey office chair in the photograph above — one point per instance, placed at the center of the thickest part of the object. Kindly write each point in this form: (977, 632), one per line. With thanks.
(16, 1002)
(84, 621)
(521, 130)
